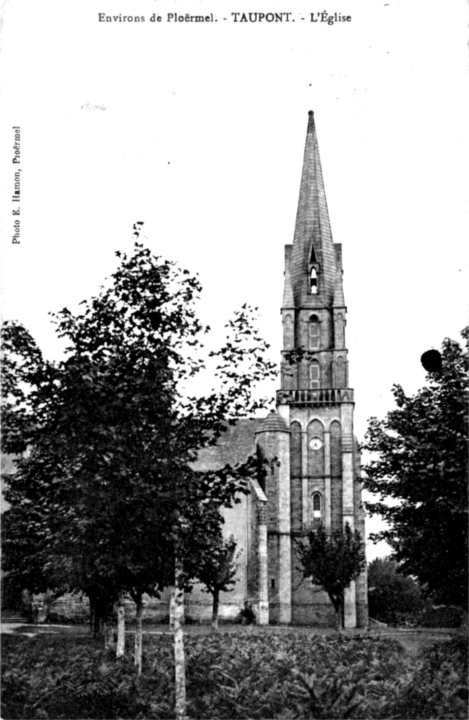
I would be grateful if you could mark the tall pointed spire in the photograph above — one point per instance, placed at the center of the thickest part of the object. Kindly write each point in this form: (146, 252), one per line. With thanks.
(313, 236)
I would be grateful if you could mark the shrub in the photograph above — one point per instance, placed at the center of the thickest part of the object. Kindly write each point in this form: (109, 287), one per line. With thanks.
(247, 616)
(393, 598)
(444, 616)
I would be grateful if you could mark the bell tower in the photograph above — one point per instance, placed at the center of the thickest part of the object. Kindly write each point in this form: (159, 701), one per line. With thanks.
(315, 400)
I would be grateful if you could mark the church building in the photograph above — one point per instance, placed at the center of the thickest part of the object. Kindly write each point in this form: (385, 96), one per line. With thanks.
(314, 476)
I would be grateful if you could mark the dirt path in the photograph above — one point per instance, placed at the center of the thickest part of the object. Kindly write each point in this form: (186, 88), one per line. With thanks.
(412, 640)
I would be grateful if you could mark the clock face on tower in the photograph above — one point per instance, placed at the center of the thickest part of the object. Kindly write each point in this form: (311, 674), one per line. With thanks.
(315, 443)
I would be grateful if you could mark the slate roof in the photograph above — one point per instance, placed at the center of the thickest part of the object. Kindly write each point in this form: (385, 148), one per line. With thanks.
(312, 227)
(233, 447)
(273, 423)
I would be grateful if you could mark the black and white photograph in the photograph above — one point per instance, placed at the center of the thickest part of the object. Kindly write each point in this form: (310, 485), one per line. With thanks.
(234, 364)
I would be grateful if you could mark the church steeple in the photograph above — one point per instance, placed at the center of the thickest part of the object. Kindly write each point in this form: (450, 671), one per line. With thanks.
(313, 310)
(313, 262)
(315, 401)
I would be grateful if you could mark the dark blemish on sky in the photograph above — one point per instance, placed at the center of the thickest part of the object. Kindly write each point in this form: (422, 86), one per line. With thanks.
(431, 361)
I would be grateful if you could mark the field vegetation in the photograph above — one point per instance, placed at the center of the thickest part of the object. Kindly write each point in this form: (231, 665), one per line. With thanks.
(254, 675)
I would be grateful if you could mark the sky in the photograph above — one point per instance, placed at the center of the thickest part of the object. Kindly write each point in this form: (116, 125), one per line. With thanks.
(198, 129)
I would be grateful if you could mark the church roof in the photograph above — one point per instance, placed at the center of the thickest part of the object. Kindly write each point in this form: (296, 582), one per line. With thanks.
(312, 229)
(272, 423)
(233, 447)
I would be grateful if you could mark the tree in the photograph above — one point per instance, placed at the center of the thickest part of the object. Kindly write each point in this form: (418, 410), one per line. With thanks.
(392, 597)
(107, 496)
(333, 561)
(216, 569)
(418, 471)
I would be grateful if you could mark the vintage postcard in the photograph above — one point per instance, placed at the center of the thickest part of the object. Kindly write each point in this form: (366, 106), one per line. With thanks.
(305, 158)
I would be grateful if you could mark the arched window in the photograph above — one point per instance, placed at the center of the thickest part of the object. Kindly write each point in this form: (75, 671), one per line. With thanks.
(316, 509)
(314, 375)
(313, 281)
(317, 505)
(314, 333)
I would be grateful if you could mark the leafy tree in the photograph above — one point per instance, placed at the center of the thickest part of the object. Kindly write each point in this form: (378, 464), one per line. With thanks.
(418, 471)
(216, 569)
(392, 597)
(332, 561)
(107, 496)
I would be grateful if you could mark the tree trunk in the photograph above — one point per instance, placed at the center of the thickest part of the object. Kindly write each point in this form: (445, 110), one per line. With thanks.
(102, 621)
(172, 608)
(216, 602)
(138, 635)
(338, 621)
(177, 607)
(92, 616)
(100, 626)
(338, 610)
(108, 634)
(120, 648)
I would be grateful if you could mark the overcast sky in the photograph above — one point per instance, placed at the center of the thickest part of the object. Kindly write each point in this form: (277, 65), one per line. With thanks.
(198, 130)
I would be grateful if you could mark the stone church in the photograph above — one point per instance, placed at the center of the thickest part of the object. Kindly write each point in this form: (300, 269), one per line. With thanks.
(315, 474)
(316, 478)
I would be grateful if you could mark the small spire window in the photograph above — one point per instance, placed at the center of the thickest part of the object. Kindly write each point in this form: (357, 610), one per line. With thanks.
(313, 281)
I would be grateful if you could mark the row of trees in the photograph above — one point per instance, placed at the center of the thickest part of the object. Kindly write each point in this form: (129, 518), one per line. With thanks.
(105, 498)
